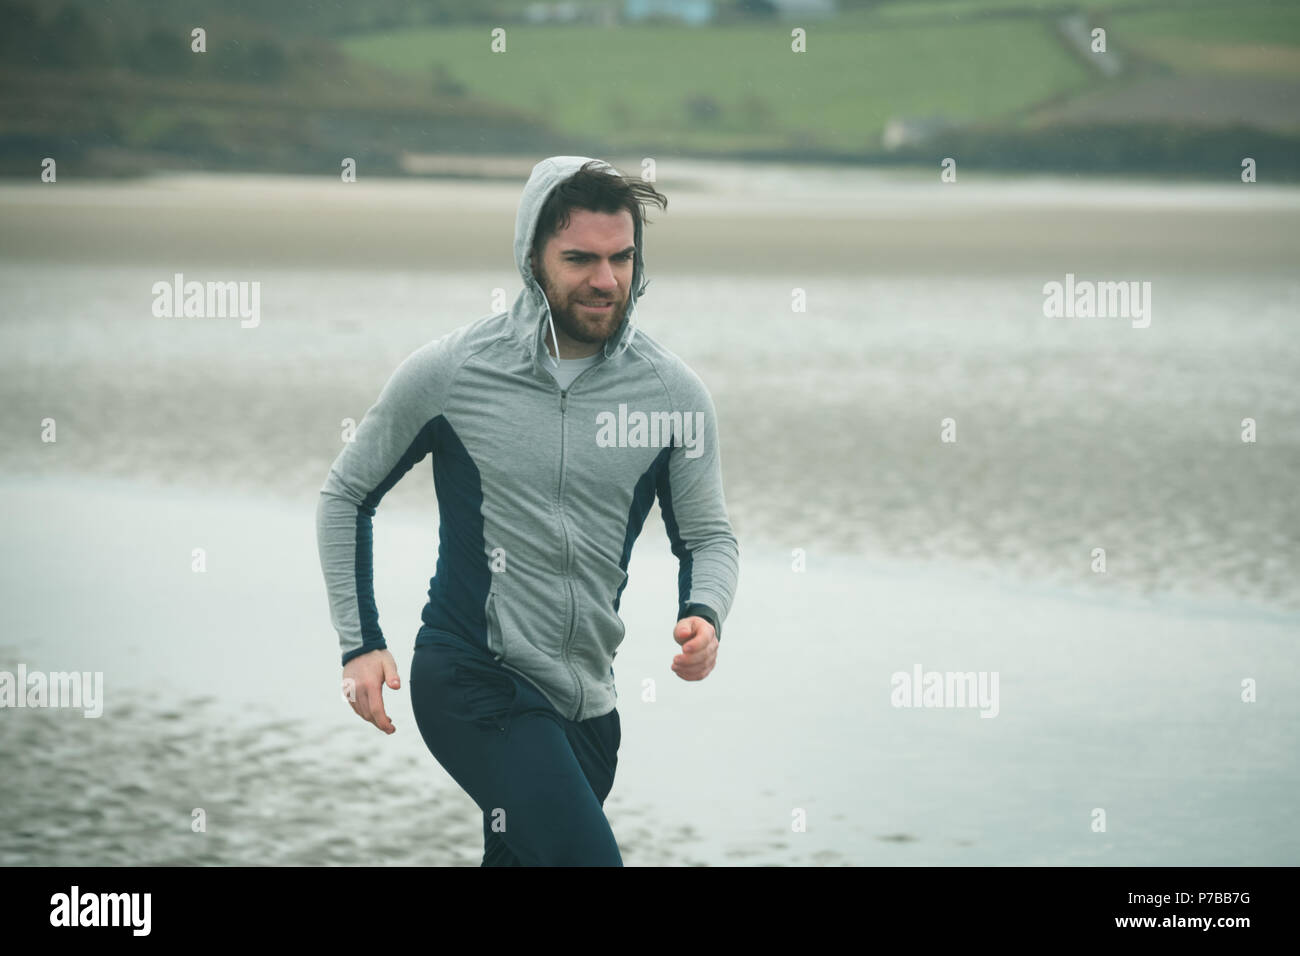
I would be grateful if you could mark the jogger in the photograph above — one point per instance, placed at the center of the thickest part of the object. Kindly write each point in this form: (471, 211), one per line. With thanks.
(540, 779)
(512, 680)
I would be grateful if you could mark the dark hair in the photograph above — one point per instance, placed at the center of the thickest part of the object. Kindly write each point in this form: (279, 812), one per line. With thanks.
(595, 190)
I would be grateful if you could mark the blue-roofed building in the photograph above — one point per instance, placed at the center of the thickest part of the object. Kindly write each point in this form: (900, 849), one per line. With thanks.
(804, 9)
(687, 11)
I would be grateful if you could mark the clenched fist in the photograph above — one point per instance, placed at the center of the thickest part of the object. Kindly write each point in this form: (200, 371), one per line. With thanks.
(699, 648)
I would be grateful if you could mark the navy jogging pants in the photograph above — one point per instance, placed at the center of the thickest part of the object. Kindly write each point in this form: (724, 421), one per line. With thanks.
(540, 779)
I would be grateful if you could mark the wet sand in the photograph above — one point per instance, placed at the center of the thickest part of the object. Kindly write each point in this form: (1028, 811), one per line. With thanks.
(221, 693)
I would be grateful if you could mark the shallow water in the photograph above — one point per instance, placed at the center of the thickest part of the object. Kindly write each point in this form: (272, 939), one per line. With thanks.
(1072, 434)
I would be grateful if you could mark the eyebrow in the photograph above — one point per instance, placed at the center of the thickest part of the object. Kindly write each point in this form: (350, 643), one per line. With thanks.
(584, 252)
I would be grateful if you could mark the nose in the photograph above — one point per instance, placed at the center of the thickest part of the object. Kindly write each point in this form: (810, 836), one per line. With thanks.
(604, 280)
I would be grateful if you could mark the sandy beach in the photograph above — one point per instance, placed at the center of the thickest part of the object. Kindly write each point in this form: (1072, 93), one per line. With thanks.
(1119, 690)
(722, 219)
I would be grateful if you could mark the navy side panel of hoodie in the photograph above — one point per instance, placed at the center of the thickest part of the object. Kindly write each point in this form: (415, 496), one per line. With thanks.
(461, 579)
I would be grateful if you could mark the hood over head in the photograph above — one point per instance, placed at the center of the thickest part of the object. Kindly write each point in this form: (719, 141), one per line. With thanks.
(530, 315)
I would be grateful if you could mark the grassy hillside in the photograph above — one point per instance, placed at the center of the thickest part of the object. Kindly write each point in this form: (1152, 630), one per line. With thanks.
(996, 69)
(292, 86)
(1260, 39)
(742, 87)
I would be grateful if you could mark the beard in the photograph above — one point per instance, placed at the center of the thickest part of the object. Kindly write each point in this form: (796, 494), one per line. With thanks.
(582, 327)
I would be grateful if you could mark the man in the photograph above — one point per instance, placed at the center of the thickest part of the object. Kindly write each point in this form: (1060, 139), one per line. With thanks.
(541, 422)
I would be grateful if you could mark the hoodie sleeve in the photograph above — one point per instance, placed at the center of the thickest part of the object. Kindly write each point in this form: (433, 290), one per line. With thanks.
(695, 516)
(395, 434)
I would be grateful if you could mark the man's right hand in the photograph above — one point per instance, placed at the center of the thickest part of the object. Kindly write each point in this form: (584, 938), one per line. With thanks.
(364, 678)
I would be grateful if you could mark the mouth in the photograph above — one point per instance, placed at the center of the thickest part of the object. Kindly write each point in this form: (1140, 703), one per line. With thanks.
(597, 306)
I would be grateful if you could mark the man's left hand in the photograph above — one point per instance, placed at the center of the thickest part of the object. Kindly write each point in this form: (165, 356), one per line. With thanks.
(699, 648)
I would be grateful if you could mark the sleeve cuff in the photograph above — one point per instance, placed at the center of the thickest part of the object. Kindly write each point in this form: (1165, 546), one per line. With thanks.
(704, 611)
(364, 649)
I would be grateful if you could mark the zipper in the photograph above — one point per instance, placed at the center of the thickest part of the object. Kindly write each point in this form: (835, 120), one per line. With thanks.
(494, 624)
(568, 555)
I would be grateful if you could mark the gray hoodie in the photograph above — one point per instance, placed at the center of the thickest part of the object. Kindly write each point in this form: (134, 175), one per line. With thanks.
(541, 491)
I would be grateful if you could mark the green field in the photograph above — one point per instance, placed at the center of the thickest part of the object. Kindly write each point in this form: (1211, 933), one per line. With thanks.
(1260, 40)
(740, 86)
(903, 11)
(1272, 23)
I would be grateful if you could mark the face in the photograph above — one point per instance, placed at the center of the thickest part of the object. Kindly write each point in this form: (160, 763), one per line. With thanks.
(586, 273)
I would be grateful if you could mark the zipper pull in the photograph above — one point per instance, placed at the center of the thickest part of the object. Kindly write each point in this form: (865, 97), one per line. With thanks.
(564, 400)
